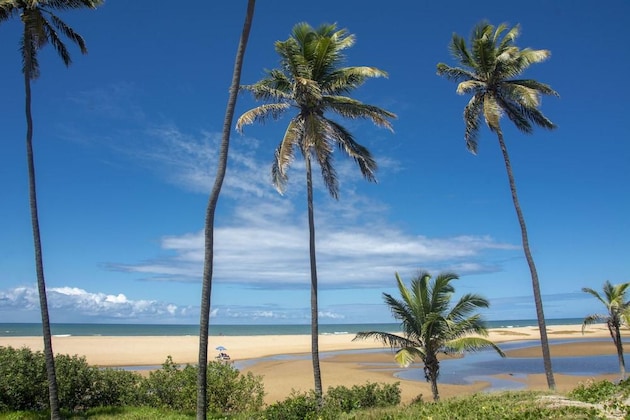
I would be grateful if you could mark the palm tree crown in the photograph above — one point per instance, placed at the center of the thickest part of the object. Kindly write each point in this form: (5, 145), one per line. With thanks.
(618, 308)
(488, 72)
(43, 26)
(311, 80)
(431, 326)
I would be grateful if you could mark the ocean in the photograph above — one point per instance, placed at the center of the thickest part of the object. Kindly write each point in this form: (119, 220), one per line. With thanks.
(35, 329)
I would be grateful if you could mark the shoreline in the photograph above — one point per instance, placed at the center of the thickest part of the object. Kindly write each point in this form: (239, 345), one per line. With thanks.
(285, 364)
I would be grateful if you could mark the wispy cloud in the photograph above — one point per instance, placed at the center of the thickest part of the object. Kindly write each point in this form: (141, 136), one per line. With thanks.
(266, 245)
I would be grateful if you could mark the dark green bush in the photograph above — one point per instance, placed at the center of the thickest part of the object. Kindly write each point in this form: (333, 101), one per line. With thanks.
(24, 385)
(369, 395)
(117, 388)
(175, 387)
(75, 379)
(297, 406)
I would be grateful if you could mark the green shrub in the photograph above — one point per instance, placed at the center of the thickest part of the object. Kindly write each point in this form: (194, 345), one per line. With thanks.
(75, 379)
(369, 395)
(117, 388)
(228, 391)
(297, 406)
(24, 384)
(231, 392)
(594, 392)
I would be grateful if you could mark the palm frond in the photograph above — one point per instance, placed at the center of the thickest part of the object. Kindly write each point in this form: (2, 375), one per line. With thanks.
(360, 154)
(57, 43)
(460, 52)
(407, 355)
(346, 79)
(261, 114)
(277, 87)
(388, 339)
(470, 86)
(472, 119)
(483, 48)
(353, 109)
(455, 73)
(515, 113)
(316, 141)
(492, 111)
(466, 305)
(537, 117)
(69, 33)
(472, 344)
(593, 319)
(285, 153)
(8, 9)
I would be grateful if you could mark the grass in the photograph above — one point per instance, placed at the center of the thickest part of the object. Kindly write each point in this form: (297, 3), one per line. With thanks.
(508, 405)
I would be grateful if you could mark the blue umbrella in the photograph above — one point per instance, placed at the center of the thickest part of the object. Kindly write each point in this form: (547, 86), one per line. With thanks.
(221, 348)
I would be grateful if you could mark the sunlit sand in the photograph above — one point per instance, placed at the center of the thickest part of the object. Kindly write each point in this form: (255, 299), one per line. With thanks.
(284, 374)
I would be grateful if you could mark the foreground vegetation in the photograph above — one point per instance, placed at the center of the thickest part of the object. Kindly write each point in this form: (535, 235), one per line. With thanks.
(89, 392)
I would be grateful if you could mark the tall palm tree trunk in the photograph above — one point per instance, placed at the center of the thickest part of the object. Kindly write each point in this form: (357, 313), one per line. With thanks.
(206, 291)
(317, 375)
(39, 262)
(551, 383)
(616, 336)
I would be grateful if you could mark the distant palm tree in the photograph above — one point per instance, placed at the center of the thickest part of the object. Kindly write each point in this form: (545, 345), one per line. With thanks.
(615, 301)
(488, 72)
(202, 397)
(40, 28)
(430, 327)
(312, 81)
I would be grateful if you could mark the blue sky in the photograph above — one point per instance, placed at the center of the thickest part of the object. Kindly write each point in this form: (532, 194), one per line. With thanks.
(126, 148)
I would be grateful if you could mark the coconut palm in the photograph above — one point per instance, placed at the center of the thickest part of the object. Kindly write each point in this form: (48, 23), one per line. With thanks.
(614, 299)
(202, 406)
(430, 326)
(488, 72)
(42, 26)
(312, 81)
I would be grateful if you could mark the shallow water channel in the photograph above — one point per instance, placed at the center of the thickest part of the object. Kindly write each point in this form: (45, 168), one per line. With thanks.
(482, 365)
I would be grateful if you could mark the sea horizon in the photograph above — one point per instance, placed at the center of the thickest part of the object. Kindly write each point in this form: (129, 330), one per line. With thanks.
(127, 330)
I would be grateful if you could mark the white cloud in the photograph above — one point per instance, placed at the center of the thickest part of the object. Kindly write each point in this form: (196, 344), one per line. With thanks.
(72, 303)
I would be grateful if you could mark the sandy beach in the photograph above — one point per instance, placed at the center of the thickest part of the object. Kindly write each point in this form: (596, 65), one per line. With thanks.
(284, 374)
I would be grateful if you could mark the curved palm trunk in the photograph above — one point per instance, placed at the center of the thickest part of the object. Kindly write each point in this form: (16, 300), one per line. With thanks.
(39, 263)
(551, 383)
(616, 336)
(314, 310)
(206, 291)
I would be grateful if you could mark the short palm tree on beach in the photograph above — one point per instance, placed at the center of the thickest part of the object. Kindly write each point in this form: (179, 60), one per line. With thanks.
(42, 26)
(312, 82)
(489, 71)
(618, 308)
(431, 326)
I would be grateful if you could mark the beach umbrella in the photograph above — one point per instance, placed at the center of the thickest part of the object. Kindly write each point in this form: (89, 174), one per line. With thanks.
(221, 348)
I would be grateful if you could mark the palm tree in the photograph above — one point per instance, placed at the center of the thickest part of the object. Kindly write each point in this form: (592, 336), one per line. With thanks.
(430, 327)
(312, 81)
(487, 72)
(204, 322)
(614, 299)
(41, 26)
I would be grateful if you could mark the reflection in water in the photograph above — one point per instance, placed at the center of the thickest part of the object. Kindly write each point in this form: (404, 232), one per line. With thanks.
(479, 366)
